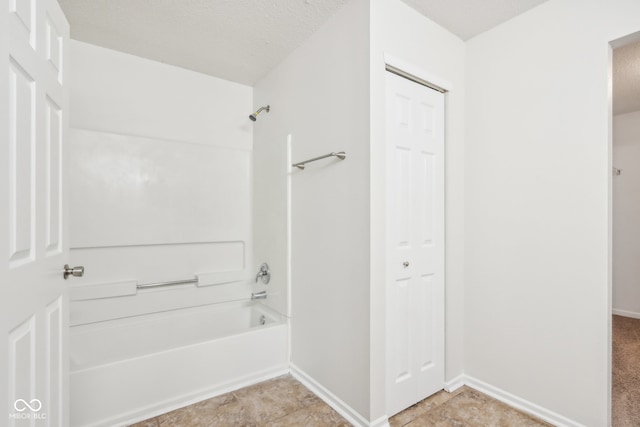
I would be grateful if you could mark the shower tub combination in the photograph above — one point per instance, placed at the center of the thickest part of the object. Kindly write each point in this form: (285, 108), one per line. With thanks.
(130, 369)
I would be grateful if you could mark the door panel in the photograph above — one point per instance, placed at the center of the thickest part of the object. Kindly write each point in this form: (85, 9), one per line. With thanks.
(400, 341)
(53, 163)
(425, 350)
(22, 123)
(22, 18)
(22, 360)
(415, 242)
(33, 300)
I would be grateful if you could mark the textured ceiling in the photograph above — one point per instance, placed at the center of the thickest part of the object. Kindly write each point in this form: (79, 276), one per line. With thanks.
(241, 40)
(626, 78)
(238, 40)
(468, 18)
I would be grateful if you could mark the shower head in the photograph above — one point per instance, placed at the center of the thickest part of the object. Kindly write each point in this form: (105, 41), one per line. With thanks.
(254, 116)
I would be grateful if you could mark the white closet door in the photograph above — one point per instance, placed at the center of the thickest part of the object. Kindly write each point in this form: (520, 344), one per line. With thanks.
(415, 242)
(33, 129)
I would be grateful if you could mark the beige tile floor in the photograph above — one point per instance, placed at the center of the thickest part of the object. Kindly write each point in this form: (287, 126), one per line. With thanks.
(284, 402)
(464, 407)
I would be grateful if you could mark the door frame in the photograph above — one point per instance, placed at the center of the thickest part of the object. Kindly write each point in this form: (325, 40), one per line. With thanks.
(613, 44)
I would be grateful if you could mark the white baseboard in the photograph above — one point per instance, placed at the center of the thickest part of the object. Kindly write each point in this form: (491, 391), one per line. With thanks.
(380, 422)
(217, 390)
(454, 384)
(340, 406)
(626, 313)
(335, 402)
(520, 403)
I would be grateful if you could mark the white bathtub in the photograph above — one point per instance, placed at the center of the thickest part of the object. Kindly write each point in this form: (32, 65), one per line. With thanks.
(130, 369)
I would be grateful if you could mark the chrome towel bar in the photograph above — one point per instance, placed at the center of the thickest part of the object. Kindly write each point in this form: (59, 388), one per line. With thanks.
(340, 154)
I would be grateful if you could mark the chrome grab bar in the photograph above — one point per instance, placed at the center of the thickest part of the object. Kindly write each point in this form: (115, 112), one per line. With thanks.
(254, 295)
(170, 283)
(208, 279)
(340, 154)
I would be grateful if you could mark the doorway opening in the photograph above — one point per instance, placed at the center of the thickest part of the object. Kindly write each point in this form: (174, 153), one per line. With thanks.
(625, 231)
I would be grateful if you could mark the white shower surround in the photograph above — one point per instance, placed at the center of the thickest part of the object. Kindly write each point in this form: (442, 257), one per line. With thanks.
(148, 353)
(131, 369)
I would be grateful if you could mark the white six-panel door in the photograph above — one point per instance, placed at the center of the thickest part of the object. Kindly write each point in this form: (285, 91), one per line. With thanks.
(415, 242)
(33, 247)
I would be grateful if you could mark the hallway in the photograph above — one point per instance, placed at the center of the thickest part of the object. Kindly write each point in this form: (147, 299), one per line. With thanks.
(626, 372)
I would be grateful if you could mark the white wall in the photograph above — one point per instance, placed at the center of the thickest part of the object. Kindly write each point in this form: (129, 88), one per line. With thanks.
(160, 179)
(626, 214)
(400, 31)
(537, 316)
(320, 95)
(121, 93)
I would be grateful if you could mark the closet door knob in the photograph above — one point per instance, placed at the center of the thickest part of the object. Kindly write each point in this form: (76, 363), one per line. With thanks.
(405, 264)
